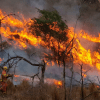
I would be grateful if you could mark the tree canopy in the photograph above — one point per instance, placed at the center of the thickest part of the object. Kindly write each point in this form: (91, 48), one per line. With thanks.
(46, 20)
(50, 24)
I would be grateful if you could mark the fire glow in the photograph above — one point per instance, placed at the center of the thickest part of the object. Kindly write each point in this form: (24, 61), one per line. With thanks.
(58, 83)
(23, 38)
(0, 60)
(16, 75)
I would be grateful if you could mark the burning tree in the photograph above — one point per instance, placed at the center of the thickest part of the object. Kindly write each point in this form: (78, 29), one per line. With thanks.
(53, 31)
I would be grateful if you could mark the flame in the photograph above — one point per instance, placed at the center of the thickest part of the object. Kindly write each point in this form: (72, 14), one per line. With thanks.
(23, 37)
(58, 83)
(84, 75)
(16, 75)
(0, 60)
(89, 37)
(97, 86)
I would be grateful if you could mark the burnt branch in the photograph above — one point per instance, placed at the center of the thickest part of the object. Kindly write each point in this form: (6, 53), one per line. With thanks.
(37, 74)
(22, 58)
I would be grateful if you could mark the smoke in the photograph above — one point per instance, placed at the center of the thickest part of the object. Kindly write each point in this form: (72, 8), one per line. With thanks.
(22, 6)
(70, 10)
(67, 9)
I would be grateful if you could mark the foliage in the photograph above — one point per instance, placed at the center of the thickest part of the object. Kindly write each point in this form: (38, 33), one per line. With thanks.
(50, 27)
(48, 18)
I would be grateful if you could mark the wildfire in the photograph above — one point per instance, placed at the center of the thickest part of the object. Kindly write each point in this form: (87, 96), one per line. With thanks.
(58, 83)
(16, 75)
(23, 37)
(84, 75)
(89, 37)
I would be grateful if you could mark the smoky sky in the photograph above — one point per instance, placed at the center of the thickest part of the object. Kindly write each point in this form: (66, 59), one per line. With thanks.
(69, 10)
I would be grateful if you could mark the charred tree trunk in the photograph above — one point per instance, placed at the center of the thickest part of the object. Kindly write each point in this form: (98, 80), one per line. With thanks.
(82, 93)
(71, 79)
(64, 76)
(42, 72)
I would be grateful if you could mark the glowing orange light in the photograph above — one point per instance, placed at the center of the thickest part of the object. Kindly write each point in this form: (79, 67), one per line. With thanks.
(0, 60)
(27, 79)
(97, 86)
(16, 75)
(84, 75)
(58, 83)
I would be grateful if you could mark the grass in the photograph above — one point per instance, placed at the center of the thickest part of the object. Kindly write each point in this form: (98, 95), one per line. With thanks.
(25, 91)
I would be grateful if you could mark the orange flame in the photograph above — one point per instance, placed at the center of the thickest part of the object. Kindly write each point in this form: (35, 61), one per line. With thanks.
(97, 86)
(16, 75)
(58, 83)
(89, 37)
(23, 37)
(0, 60)
(84, 75)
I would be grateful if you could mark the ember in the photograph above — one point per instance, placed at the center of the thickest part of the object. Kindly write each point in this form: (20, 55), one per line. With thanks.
(97, 86)
(58, 83)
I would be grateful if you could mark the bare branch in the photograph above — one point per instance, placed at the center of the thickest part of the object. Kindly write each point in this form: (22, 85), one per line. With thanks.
(22, 58)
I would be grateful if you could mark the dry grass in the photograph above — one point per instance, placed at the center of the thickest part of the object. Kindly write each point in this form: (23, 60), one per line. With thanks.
(46, 92)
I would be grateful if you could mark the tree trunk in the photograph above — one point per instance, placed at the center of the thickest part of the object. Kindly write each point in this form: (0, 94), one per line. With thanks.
(42, 72)
(71, 79)
(82, 94)
(64, 79)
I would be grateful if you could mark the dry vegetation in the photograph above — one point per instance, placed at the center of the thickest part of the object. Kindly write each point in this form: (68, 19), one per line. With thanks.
(24, 91)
